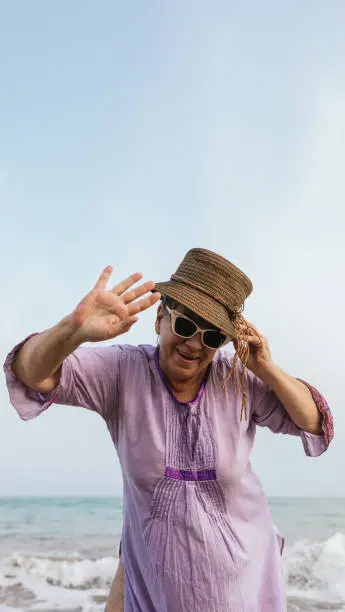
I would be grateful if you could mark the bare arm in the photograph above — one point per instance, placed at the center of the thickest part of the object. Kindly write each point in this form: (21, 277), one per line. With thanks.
(292, 394)
(38, 363)
(102, 314)
(296, 399)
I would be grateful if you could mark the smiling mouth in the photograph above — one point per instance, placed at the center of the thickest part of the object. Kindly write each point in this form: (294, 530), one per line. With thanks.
(186, 357)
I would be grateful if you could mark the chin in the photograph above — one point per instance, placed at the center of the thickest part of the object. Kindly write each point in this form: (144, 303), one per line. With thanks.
(187, 369)
(182, 374)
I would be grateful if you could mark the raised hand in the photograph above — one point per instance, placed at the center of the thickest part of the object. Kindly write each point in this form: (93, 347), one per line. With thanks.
(259, 360)
(106, 313)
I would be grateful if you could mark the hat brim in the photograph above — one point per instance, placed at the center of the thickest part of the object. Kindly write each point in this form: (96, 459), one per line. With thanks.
(200, 303)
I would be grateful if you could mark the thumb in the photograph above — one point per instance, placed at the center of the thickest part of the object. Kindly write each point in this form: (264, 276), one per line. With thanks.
(126, 325)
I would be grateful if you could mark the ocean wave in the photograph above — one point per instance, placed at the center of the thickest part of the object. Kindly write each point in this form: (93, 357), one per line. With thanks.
(58, 582)
(317, 569)
(68, 572)
(315, 572)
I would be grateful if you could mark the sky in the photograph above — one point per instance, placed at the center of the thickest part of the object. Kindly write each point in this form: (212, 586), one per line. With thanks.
(131, 132)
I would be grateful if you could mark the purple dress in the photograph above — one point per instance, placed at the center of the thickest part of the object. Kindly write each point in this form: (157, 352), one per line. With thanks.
(197, 532)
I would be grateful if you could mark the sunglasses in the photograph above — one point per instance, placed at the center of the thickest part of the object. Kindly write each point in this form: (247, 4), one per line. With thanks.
(184, 327)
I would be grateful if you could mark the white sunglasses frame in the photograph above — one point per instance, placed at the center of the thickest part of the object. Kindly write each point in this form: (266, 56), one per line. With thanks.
(175, 313)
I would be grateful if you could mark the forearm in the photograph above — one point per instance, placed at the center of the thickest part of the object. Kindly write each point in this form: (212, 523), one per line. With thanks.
(41, 357)
(296, 399)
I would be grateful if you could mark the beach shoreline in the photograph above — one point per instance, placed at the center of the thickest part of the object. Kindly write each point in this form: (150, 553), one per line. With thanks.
(60, 554)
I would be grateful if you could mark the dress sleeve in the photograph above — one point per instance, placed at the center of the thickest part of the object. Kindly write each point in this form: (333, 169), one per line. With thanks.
(269, 412)
(89, 378)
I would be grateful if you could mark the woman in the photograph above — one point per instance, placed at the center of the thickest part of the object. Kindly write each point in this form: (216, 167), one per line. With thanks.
(197, 532)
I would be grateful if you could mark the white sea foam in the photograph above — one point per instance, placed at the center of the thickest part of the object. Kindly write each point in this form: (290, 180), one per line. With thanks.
(315, 572)
(55, 582)
(70, 573)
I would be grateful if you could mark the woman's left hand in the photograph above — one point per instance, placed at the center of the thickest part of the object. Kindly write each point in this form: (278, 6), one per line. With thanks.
(260, 360)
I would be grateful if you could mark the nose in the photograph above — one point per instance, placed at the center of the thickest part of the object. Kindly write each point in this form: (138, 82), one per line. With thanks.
(194, 343)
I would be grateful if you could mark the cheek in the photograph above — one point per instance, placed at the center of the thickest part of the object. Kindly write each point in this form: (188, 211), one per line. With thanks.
(167, 339)
(209, 355)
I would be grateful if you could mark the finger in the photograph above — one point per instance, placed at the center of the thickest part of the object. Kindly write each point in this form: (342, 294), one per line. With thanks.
(260, 345)
(250, 330)
(111, 303)
(250, 327)
(120, 288)
(126, 325)
(254, 337)
(143, 304)
(255, 341)
(134, 294)
(251, 339)
(103, 278)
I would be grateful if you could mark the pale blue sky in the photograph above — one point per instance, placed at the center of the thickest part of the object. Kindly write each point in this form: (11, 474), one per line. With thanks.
(130, 132)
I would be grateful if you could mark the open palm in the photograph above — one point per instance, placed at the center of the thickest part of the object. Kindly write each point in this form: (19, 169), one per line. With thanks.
(106, 313)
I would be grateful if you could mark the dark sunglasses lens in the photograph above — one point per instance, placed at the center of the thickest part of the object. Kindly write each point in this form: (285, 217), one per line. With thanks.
(214, 339)
(184, 328)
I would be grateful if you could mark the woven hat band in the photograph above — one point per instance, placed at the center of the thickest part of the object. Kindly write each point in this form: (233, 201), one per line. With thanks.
(231, 312)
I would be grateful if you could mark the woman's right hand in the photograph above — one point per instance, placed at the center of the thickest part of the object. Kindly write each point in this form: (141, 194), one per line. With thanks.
(106, 313)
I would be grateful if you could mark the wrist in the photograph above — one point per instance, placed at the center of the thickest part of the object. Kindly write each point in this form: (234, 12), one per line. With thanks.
(271, 374)
(71, 333)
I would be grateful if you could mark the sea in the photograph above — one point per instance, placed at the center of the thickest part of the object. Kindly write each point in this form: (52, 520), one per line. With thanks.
(61, 553)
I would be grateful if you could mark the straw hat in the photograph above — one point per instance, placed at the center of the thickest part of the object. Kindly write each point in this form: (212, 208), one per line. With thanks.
(211, 286)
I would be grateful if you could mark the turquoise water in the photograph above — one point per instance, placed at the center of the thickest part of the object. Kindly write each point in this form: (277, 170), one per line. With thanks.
(35, 515)
(62, 552)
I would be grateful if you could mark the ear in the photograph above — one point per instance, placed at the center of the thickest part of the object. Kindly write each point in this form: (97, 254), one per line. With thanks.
(160, 313)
